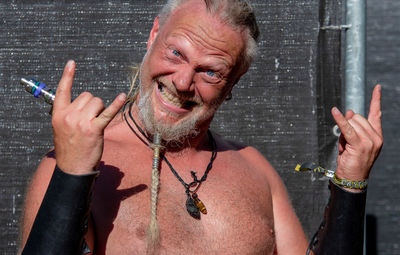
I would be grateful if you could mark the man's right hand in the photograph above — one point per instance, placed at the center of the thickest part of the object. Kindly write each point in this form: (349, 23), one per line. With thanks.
(79, 125)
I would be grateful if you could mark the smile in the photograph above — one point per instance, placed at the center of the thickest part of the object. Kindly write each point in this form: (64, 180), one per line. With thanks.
(173, 100)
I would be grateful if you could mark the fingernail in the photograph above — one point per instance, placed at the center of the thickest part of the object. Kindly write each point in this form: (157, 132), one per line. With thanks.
(70, 64)
(122, 97)
(335, 110)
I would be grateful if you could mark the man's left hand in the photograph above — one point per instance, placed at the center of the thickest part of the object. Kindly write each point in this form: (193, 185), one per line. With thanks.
(360, 141)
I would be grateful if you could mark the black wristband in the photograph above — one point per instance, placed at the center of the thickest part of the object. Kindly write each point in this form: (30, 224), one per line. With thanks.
(61, 221)
(342, 230)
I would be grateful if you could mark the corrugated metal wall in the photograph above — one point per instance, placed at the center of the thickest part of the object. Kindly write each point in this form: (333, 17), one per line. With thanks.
(280, 106)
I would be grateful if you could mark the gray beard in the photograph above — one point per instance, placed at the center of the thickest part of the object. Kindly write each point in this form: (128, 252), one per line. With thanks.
(170, 133)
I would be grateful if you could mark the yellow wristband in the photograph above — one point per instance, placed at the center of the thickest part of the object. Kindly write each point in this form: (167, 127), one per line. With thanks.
(311, 166)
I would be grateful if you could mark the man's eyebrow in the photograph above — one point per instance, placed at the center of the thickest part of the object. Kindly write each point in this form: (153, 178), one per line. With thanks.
(220, 64)
(220, 58)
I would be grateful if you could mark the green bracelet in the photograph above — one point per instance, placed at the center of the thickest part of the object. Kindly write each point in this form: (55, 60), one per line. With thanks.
(344, 183)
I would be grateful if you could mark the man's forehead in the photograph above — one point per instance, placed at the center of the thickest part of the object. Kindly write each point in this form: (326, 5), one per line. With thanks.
(194, 17)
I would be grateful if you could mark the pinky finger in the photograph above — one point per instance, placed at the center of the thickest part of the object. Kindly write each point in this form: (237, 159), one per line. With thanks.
(108, 114)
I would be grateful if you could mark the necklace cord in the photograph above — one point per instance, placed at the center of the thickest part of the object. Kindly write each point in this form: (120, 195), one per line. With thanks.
(195, 183)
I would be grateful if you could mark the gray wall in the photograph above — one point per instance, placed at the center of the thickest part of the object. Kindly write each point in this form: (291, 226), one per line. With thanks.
(383, 66)
(279, 106)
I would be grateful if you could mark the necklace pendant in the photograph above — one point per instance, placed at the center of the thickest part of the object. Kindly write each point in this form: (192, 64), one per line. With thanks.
(199, 204)
(192, 208)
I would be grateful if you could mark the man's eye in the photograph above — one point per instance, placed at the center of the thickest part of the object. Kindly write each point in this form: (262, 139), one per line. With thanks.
(176, 53)
(211, 73)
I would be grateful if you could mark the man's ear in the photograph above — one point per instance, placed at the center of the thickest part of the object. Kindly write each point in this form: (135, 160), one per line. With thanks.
(153, 33)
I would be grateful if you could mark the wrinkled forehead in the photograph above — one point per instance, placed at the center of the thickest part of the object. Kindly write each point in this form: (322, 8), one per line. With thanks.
(194, 18)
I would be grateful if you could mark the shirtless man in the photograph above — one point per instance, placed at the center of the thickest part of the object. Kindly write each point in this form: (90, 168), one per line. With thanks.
(196, 54)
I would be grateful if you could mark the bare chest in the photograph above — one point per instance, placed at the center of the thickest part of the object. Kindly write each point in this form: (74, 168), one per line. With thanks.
(239, 216)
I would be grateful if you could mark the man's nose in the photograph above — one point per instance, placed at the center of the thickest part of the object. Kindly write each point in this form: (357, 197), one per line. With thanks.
(184, 79)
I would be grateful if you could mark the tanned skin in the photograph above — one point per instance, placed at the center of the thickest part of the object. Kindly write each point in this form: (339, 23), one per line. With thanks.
(248, 207)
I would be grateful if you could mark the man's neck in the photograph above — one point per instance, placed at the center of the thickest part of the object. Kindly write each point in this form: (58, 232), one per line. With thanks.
(188, 145)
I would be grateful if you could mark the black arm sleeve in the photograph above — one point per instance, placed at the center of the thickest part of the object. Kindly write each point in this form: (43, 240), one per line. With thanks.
(342, 229)
(61, 222)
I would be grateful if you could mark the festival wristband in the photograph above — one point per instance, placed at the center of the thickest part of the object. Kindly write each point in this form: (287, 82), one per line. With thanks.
(61, 222)
(344, 183)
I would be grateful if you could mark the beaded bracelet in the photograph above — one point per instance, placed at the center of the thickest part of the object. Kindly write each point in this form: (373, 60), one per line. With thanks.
(344, 183)
(361, 185)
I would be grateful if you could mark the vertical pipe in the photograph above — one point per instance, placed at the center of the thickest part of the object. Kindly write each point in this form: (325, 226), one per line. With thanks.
(355, 56)
(355, 62)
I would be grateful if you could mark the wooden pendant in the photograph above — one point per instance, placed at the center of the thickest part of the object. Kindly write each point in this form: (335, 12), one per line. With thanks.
(199, 204)
(191, 207)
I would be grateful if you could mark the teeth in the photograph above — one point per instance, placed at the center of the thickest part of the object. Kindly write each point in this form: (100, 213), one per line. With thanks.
(170, 98)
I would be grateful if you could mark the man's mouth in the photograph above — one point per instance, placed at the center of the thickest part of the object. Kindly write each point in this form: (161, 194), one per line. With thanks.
(174, 100)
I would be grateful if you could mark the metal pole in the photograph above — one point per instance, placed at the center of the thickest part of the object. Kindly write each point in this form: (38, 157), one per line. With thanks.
(355, 62)
(355, 56)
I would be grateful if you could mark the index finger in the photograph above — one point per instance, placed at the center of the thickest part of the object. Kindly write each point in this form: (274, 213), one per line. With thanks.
(374, 115)
(63, 92)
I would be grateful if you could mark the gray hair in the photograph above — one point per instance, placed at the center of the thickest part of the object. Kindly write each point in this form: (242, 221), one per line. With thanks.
(237, 13)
